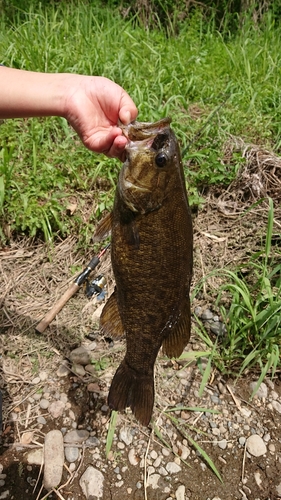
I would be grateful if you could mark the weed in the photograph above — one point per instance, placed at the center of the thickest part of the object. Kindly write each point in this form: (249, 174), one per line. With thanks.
(164, 70)
(252, 317)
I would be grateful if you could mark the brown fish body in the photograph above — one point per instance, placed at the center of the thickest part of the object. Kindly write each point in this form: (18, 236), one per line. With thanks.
(152, 264)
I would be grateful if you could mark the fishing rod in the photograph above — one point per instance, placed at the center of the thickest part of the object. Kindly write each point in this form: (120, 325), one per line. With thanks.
(74, 287)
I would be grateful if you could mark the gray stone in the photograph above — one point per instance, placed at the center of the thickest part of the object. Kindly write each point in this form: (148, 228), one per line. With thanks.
(76, 436)
(44, 403)
(41, 420)
(91, 483)
(207, 314)
(173, 468)
(80, 356)
(71, 453)
(255, 445)
(79, 369)
(53, 459)
(43, 376)
(262, 390)
(242, 440)
(63, 371)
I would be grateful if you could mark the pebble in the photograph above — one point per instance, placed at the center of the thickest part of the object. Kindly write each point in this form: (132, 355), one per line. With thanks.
(56, 409)
(207, 314)
(79, 370)
(276, 406)
(44, 403)
(80, 356)
(43, 376)
(132, 456)
(71, 453)
(76, 436)
(5, 494)
(255, 445)
(36, 380)
(173, 468)
(180, 493)
(53, 459)
(262, 390)
(153, 480)
(35, 457)
(41, 420)
(63, 371)
(91, 483)
(222, 444)
(242, 440)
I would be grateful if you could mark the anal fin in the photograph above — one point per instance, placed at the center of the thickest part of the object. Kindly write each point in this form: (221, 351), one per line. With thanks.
(178, 337)
(110, 320)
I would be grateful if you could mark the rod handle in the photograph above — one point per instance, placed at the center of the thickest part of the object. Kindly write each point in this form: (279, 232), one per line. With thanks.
(41, 327)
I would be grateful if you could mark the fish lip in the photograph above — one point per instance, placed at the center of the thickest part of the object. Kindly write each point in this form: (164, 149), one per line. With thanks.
(144, 131)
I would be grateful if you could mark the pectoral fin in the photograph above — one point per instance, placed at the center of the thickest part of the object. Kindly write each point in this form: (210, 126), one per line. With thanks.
(110, 320)
(178, 337)
(103, 229)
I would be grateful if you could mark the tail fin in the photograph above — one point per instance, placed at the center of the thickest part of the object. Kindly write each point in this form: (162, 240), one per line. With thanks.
(132, 389)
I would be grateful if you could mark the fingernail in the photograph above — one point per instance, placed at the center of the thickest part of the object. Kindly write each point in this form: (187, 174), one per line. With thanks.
(126, 118)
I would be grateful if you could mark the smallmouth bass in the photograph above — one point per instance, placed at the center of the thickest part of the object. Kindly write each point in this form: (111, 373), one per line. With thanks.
(151, 253)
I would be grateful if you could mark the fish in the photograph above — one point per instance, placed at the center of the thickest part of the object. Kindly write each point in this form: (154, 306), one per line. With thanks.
(151, 254)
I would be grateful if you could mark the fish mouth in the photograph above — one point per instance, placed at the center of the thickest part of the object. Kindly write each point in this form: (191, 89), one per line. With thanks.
(144, 131)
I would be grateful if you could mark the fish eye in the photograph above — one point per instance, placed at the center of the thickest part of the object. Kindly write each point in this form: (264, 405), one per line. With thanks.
(161, 160)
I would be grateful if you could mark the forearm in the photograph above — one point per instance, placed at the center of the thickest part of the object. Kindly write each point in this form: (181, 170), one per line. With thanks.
(26, 94)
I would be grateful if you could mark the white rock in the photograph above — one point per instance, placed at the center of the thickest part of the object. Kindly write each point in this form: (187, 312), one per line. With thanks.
(222, 444)
(56, 409)
(276, 406)
(53, 459)
(262, 390)
(180, 493)
(126, 435)
(278, 489)
(246, 413)
(36, 380)
(76, 436)
(173, 468)
(255, 445)
(35, 457)
(133, 458)
(91, 483)
(153, 481)
(153, 454)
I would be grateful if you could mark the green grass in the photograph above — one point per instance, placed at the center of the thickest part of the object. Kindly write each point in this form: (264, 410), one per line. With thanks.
(252, 293)
(43, 164)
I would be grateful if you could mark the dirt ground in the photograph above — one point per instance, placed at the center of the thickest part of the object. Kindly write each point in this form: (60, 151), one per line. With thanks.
(34, 277)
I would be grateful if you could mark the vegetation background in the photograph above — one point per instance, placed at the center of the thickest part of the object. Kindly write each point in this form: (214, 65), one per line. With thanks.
(180, 58)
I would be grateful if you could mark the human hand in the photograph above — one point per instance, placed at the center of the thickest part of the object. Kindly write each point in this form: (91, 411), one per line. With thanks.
(93, 106)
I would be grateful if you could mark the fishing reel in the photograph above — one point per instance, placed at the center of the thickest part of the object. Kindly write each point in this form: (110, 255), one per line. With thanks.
(96, 287)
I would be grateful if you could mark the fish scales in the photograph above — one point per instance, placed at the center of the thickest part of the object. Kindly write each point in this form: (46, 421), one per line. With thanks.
(151, 254)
